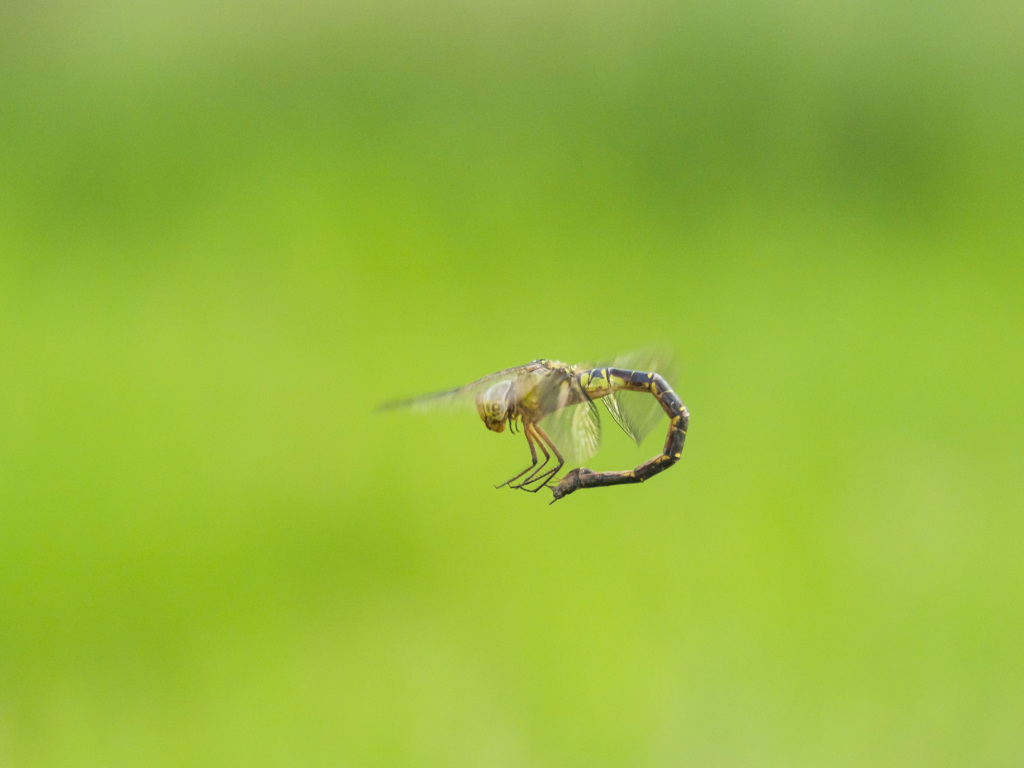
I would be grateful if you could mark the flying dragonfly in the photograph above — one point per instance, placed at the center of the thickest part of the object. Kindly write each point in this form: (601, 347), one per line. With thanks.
(553, 404)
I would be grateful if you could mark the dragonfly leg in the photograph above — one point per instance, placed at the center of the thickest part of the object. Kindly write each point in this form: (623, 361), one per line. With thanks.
(541, 479)
(528, 429)
(533, 455)
(533, 431)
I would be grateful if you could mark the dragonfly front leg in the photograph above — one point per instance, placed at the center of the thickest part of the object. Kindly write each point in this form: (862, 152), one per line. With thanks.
(533, 467)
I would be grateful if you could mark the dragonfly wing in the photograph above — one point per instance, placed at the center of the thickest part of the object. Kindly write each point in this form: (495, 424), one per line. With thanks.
(454, 398)
(637, 412)
(576, 430)
(611, 402)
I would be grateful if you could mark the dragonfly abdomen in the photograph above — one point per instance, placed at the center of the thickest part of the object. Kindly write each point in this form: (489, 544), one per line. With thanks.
(599, 382)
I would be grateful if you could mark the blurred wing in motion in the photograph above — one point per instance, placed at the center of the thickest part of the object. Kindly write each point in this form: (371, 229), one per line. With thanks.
(453, 398)
(637, 412)
(575, 429)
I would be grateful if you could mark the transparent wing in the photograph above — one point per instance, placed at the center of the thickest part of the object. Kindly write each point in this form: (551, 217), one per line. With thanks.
(611, 402)
(455, 398)
(575, 428)
(637, 412)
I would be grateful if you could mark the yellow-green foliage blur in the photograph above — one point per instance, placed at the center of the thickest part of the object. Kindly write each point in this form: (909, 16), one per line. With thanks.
(228, 231)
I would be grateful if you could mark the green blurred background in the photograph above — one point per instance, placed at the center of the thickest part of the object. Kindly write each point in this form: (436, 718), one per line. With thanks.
(229, 230)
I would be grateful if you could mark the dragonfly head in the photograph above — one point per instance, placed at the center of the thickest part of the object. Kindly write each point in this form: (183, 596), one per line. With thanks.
(493, 406)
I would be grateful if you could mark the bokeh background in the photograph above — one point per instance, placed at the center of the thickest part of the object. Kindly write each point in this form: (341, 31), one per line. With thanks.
(229, 230)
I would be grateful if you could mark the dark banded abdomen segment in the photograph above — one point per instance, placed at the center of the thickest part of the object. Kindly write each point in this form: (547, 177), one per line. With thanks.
(599, 382)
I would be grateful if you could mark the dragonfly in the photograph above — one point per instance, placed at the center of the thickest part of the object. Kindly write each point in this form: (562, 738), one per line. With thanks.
(553, 405)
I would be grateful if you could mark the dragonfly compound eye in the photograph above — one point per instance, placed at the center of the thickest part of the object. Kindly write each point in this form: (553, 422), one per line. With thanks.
(492, 406)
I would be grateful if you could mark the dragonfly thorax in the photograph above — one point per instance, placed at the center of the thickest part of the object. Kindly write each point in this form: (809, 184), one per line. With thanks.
(494, 404)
